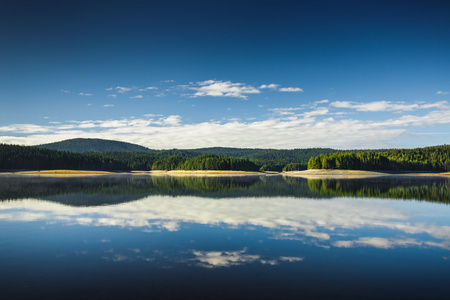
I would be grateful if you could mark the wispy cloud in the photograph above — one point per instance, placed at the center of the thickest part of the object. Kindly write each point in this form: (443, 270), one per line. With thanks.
(65, 91)
(291, 127)
(223, 89)
(377, 106)
(149, 88)
(321, 101)
(85, 94)
(285, 110)
(108, 105)
(137, 97)
(120, 89)
(112, 95)
(442, 93)
(291, 89)
(272, 86)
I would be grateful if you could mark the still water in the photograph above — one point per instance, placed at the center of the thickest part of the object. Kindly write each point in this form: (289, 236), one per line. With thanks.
(259, 237)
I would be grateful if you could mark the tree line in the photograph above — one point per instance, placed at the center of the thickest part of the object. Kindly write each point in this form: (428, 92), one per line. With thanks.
(435, 158)
(36, 158)
(13, 157)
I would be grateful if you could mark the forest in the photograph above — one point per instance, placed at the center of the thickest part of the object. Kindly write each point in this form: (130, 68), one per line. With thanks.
(13, 157)
(139, 157)
(435, 158)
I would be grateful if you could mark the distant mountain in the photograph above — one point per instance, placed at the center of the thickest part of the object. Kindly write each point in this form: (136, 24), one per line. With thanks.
(94, 145)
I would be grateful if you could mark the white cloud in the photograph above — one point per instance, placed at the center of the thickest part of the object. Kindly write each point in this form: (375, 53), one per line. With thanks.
(292, 127)
(108, 105)
(442, 93)
(377, 106)
(321, 101)
(113, 95)
(285, 110)
(153, 115)
(269, 86)
(137, 97)
(341, 104)
(291, 89)
(223, 89)
(148, 89)
(170, 120)
(65, 91)
(123, 89)
(83, 94)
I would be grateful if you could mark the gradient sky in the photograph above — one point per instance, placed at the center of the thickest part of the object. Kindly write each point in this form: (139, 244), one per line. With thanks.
(187, 74)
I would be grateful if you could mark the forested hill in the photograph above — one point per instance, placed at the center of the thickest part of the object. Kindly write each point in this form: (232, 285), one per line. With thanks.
(93, 145)
(267, 159)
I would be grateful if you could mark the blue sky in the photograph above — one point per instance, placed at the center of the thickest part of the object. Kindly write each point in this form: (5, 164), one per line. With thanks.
(187, 74)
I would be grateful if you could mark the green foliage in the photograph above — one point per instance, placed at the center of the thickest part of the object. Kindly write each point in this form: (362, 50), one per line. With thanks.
(266, 159)
(34, 158)
(294, 167)
(420, 159)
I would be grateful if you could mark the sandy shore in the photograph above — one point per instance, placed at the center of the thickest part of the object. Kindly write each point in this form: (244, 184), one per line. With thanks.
(201, 173)
(79, 173)
(347, 174)
(63, 173)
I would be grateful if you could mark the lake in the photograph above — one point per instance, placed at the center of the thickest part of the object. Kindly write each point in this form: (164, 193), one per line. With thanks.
(256, 237)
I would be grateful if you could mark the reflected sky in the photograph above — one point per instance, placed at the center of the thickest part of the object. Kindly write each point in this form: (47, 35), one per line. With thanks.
(337, 222)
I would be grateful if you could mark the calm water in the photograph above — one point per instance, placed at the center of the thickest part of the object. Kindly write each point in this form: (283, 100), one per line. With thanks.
(141, 237)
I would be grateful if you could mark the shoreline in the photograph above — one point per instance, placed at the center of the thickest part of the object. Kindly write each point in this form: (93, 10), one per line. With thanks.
(348, 174)
(82, 173)
(323, 173)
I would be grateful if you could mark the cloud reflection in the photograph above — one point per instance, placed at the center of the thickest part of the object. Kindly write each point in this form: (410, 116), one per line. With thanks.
(217, 259)
(322, 223)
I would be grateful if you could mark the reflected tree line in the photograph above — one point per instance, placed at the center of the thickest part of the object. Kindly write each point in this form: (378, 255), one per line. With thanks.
(102, 190)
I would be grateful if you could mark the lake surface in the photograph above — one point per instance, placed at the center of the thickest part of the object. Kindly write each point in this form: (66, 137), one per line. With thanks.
(258, 237)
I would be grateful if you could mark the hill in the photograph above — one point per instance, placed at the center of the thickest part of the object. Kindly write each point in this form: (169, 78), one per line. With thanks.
(93, 145)
(267, 159)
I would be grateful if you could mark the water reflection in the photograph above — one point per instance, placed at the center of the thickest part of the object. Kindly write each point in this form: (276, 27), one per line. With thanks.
(337, 222)
(217, 259)
(123, 237)
(103, 190)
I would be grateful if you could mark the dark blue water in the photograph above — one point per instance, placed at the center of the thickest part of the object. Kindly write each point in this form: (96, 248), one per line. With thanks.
(135, 237)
